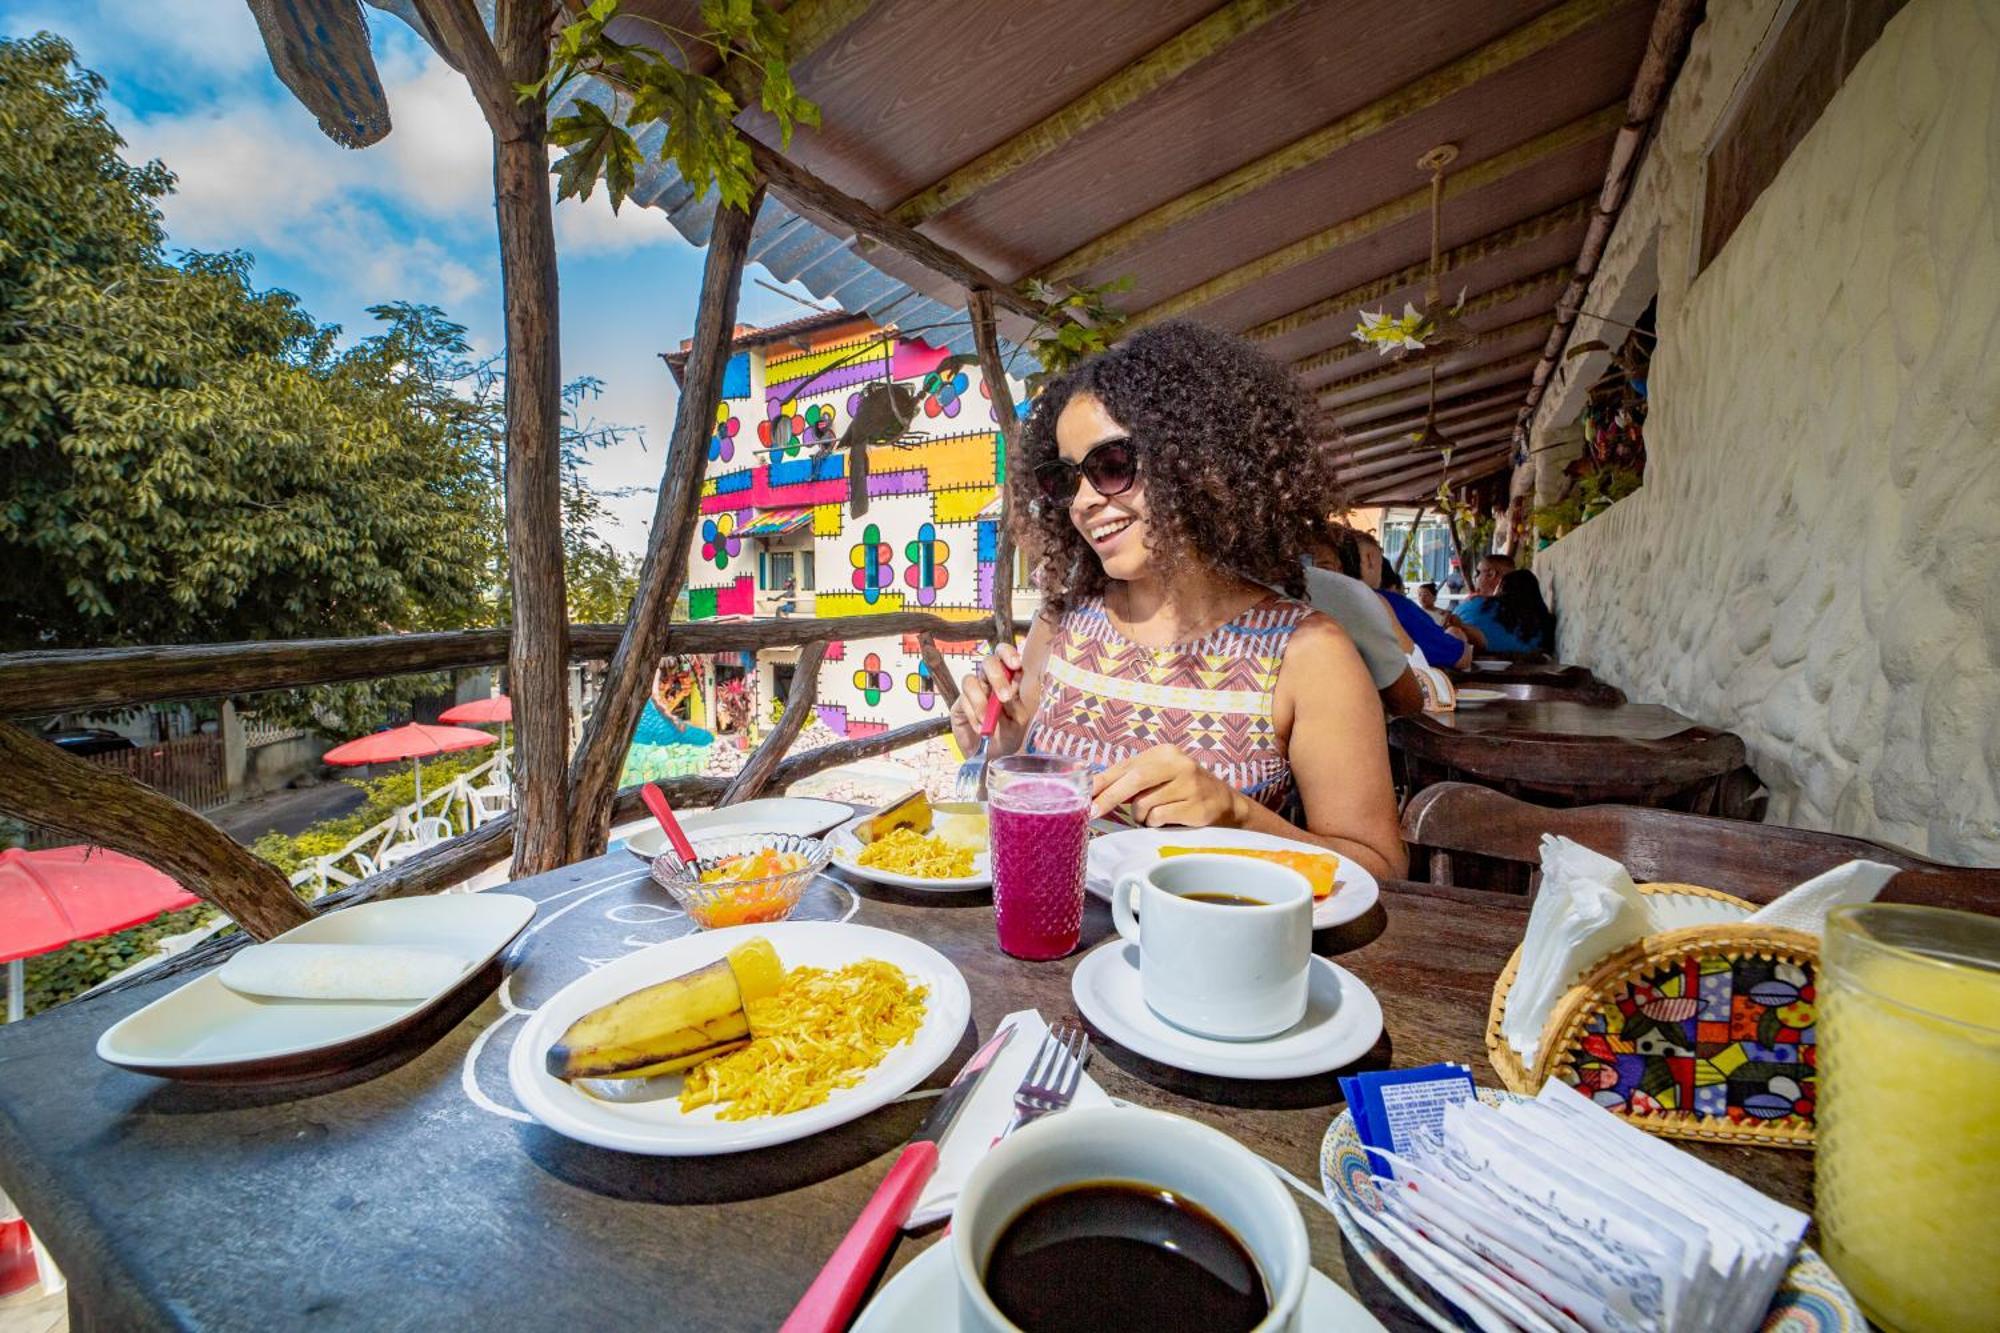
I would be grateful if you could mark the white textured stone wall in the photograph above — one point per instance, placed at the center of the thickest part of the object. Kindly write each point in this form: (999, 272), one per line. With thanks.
(1814, 561)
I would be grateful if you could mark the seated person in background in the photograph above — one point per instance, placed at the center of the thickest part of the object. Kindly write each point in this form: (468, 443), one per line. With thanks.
(1333, 590)
(1174, 483)
(1486, 575)
(1427, 598)
(1440, 647)
(1515, 619)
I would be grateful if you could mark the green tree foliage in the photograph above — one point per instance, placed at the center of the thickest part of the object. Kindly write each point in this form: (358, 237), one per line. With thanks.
(183, 458)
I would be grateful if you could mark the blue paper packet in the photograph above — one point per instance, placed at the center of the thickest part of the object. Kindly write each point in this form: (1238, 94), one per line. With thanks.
(1390, 1106)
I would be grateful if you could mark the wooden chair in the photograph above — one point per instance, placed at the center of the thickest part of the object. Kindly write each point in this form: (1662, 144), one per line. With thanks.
(1455, 823)
(1685, 771)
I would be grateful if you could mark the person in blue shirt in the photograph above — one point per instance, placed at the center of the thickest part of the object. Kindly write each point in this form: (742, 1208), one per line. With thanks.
(1441, 648)
(1514, 619)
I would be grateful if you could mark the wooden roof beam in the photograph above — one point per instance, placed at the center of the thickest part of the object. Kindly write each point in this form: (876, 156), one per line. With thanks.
(1399, 441)
(1505, 294)
(1385, 112)
(1673, 27)
(1363, 225)
(1485, 247)
(1416, 396)
(1158, 67)
(1455, 358)
(1477, 407)
(1419, 480)
(1407, 458)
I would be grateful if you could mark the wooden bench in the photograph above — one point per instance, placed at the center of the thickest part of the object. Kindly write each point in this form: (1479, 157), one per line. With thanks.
(1465, 832)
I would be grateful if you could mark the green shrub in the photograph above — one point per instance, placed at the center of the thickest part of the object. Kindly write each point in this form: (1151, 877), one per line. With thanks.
(70, 971)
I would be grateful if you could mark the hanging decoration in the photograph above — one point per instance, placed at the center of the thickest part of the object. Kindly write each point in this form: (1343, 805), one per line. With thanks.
(1434, 327)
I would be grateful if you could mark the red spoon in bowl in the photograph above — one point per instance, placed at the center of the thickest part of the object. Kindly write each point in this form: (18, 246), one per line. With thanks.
(656, 801)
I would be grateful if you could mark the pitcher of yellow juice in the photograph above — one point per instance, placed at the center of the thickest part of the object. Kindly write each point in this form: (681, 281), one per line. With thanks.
(1908, 1174)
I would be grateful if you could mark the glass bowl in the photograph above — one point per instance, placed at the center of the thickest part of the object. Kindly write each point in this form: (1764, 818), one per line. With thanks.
(739, 902)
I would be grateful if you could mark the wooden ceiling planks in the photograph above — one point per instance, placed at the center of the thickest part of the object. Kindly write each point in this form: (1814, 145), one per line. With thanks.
(1249, 163)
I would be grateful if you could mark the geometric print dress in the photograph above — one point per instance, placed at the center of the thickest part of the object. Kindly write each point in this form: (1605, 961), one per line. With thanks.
(1106, 698)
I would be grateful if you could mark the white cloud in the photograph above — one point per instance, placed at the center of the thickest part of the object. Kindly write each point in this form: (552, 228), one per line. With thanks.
(590, 227)
(193, 39)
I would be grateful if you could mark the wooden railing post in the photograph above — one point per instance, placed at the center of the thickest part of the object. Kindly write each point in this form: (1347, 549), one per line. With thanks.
(979, 304)
(593, 773)
(799, 703)
(48, 787)
(941, 678)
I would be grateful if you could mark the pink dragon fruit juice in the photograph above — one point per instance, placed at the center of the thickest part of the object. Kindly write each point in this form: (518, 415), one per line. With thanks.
(1040, 816)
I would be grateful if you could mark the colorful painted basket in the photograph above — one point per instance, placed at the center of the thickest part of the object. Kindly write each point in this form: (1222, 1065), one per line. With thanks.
(1704, 1031)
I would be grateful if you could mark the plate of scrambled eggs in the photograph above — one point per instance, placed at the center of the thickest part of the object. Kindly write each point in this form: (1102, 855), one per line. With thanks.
(913, 844)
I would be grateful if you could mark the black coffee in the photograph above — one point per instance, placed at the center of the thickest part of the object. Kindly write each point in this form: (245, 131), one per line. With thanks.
(1108, 1256)
(1225, 899)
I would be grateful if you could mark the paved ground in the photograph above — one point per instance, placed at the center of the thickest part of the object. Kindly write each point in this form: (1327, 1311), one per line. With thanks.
(287, 810)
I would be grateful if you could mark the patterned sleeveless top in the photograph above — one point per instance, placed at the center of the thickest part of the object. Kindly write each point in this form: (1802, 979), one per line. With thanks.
(1105, 698)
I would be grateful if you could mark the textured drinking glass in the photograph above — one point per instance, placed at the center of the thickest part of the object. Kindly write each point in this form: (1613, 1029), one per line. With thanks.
(1039, 812)
(1908, 1126)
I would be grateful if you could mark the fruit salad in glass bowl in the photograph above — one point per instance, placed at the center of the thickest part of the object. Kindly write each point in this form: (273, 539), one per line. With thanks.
(741, 879)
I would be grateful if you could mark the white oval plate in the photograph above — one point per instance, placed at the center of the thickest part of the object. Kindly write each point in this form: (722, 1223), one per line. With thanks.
(1341, 1024)
(923, 1298)
(1491, 663)
(1131, 851)
(847, 846)
(778, 814)
(647, 1118)
(1471, 696)
(204, 1030)
(1810, 1297)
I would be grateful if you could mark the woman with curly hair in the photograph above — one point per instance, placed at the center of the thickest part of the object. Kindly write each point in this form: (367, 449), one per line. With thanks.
(1173, 489)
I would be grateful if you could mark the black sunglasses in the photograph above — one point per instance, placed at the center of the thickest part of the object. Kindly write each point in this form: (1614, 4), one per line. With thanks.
(1111, 468)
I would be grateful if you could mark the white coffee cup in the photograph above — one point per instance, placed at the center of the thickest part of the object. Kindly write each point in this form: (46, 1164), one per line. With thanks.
(1126, 1143)
(1229, 971)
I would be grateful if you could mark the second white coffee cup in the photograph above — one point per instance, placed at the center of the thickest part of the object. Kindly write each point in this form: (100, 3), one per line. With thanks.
(1236, 970)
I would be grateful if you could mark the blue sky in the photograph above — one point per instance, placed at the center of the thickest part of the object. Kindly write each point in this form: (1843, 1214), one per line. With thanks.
(410, 218)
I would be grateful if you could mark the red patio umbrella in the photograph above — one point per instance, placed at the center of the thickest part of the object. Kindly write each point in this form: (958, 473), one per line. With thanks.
(59, 895)
(498, 708)
(411, 741)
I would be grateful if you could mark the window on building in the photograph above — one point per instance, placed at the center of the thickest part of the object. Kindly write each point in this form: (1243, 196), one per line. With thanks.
(806, 583)
(779, 571)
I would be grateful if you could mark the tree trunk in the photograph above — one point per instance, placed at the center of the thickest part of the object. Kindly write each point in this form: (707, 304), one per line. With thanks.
(539, 653)
(59, 791)
(979, 304)
(594, 770)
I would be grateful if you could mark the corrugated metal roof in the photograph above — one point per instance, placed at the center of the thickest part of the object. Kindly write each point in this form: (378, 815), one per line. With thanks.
(790, 247)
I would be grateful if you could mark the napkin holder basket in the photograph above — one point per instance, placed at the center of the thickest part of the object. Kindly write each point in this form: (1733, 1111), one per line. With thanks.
(1703, 1031)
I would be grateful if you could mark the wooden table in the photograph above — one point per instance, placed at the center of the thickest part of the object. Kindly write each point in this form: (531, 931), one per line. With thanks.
(1569, 752)
(415, 1195)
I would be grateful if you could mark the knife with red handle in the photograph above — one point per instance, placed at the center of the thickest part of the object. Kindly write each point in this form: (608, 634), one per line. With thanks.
(831, 1300)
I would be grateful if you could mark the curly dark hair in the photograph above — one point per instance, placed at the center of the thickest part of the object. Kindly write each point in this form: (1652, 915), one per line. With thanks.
(1234, 480)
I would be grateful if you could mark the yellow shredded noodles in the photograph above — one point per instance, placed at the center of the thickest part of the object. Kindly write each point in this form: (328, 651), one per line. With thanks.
(921, 856)
(818, 1031)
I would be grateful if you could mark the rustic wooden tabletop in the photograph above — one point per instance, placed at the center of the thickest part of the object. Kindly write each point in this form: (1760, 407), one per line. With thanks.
(1531, 718)
(415, 1194)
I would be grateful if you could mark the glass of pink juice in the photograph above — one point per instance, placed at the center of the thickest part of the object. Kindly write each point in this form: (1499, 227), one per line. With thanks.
(1039, 812)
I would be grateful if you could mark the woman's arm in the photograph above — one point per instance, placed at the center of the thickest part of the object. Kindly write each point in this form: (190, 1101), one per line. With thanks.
(1020, 693)
(1338, 746)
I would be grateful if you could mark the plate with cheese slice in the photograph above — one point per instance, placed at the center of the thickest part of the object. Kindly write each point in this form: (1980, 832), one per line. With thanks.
(1342, 890)
(914, 843)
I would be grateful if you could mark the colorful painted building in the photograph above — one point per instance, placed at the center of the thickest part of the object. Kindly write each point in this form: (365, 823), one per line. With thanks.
(779, 531)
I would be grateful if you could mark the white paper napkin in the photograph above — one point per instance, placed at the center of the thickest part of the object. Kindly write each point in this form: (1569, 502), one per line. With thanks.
(1587, 907)
(1805, 907)
(983, 1117)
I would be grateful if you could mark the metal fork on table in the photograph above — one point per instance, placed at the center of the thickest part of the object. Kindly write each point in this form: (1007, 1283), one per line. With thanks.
(1053, 1077)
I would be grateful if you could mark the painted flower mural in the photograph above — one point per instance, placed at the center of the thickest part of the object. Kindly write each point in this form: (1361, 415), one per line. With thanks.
(789, 431)
(873, 569)
(941, 396)
(927, 573)
(722, 444)
(919, 684)
(872, 680)
(719, 542)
